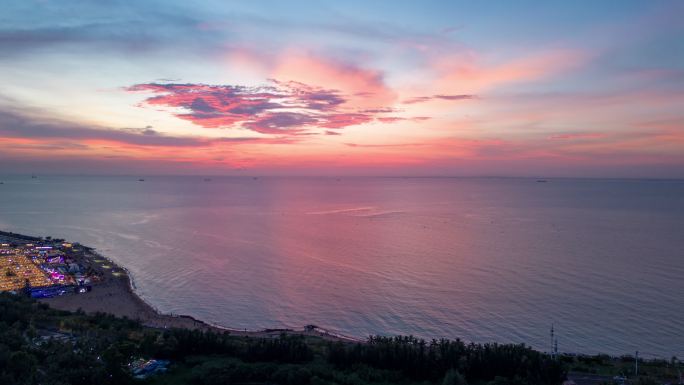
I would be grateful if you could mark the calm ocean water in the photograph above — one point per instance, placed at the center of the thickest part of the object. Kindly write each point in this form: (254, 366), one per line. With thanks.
(479, 259)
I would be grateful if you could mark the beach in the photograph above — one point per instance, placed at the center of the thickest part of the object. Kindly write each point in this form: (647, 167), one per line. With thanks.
(114, 293)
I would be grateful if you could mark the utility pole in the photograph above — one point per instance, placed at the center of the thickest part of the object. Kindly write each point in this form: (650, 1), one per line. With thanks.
(552, 341)
(636, 364)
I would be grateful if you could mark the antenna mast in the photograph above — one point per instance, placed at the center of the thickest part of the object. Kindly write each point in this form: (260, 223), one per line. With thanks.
(555, 348)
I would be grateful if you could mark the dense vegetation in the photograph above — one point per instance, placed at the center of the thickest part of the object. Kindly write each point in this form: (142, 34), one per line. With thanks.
(39, 345)
(476, 363)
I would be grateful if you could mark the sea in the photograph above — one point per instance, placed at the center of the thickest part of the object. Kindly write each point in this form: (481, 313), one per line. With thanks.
(480, 259)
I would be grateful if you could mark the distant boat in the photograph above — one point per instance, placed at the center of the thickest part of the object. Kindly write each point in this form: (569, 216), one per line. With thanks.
(541, 181)
(141, 180)
(33, 177)
(207, 179)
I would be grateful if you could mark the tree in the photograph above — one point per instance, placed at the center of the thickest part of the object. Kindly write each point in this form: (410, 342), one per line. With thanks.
(453, 377)
(22, 366)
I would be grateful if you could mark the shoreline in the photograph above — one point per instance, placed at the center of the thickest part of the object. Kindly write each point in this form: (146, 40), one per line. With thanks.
(116, 295)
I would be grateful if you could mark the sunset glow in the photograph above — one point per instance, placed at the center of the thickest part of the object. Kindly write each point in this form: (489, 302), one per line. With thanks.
(322, 88)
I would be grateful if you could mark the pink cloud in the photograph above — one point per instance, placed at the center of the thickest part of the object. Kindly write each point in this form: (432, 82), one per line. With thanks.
(587, 135)
(345, 120)
(467, 73)
(390, 119)
(366, 87)
(290, 107)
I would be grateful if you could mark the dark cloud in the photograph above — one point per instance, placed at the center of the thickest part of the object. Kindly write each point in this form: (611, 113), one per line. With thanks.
(423, 99)
(148, 26)
(386, 110)
(147, 130)
(454, 97)
(88, 26)
(27, 125)
(83, 36)
(279, 122)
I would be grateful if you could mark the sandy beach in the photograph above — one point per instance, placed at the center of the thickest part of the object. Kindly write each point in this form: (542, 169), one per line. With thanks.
(114, 295)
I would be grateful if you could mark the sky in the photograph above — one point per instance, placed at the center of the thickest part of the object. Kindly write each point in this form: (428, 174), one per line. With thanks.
(396, 88)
